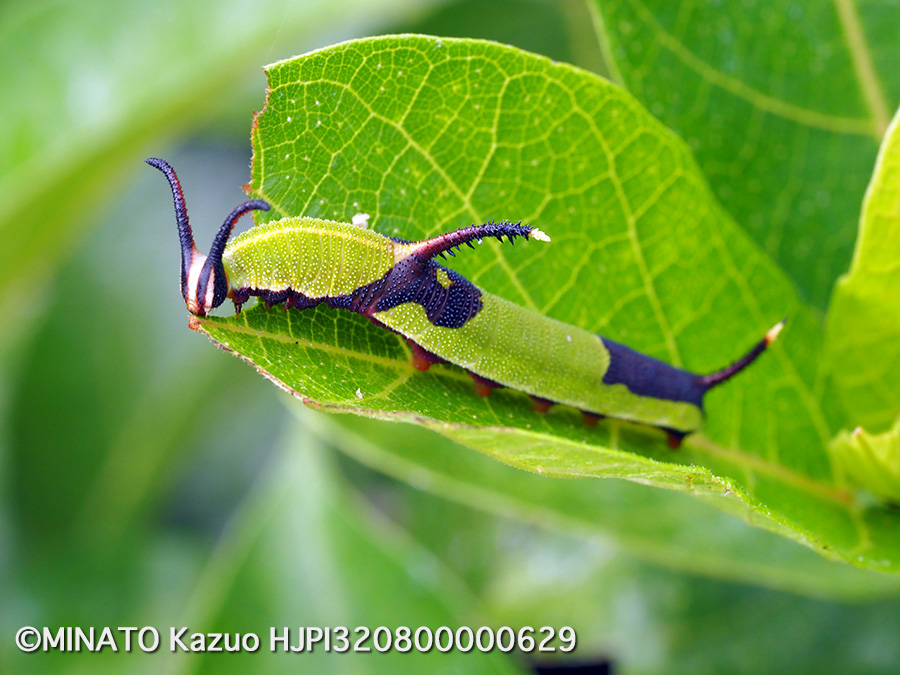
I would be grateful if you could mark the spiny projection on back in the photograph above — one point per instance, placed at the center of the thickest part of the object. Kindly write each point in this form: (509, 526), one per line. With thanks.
(445, 318)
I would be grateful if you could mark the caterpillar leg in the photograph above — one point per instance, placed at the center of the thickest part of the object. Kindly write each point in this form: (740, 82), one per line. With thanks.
(590, 418)
(541, 405)
(674, 438)
(484, 386)
(272, 298)
(297, 301)
(239, 297)
(422, 359)
(289, 297)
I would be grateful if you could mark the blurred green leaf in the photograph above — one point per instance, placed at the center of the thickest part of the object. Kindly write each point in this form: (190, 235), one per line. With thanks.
(660, 526)
(428, 134)
(92, 102)
(102, 425)
(870, 460)
(650, 620)
(863, 331)
(300, 552)
(783, 103)
(641, 617)
(512, 22)
(109, 409)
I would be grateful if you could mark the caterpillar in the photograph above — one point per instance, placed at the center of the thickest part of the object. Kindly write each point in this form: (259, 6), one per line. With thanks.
(398, 285)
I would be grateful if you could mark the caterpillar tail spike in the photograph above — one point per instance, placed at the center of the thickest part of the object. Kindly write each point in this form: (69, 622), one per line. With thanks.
(717, 378)
(204, 284)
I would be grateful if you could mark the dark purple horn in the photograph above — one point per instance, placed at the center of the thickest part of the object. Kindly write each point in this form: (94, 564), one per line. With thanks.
(185, 235)
(218, 245)
(213, 266)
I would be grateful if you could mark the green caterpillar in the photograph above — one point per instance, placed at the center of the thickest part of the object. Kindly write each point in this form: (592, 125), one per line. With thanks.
(445, 318)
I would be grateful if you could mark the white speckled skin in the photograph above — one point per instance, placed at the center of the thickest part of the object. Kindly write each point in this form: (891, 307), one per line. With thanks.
(525, 350)
(317, 258)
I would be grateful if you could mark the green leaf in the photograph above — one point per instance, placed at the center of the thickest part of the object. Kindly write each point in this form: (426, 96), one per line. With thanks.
(871, 460)
(124, 397)
(659, 526)
(572, 572)
(428, 134)
(784, 104)
(300, 552)
(863, 333)
(649, 620)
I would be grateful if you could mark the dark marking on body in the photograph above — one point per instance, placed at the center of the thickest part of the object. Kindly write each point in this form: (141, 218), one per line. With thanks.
(646, 376)
(411, 280)
(415, 279)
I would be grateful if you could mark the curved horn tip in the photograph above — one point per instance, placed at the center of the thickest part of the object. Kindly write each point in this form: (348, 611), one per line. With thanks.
(538, 235)
(162, 165)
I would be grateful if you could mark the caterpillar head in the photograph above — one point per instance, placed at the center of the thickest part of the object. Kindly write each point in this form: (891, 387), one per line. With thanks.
(204, 284)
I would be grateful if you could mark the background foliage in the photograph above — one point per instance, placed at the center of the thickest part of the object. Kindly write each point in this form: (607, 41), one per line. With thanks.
(151, 480)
